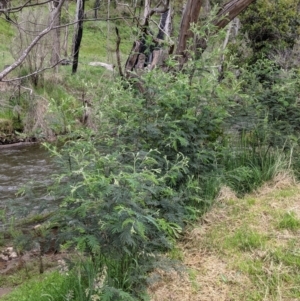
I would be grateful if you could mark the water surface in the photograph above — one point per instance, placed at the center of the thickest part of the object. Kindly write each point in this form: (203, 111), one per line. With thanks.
(19, 165)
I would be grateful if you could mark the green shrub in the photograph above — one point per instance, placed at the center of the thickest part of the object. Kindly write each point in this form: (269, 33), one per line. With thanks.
(129, 188)
(271, 26)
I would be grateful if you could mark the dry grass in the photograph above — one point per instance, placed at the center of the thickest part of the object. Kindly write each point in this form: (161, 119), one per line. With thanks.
(6, 126)
(4, 87)
(36, 120)
(238, 252)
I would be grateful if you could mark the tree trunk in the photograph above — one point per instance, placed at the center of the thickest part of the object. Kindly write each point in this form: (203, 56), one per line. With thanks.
(66, 34)
(78, 34)
(96, 8)
(230, 10)
(165, 24)
(55, 57)
(147, 9)
(3, 6)
(190, 15)
(141, 56)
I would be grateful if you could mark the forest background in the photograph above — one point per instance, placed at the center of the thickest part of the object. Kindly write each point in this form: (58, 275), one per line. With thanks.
(192, 97)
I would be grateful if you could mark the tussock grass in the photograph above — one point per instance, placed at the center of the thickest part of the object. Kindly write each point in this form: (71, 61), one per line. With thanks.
(6, 125)
(243, 249)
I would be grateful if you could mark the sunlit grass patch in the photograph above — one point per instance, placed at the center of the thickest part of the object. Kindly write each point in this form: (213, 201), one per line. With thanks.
(6, 34)
(251, 201)
(289, 257)
(51, 286)
(289, 221)
(99, 42)
(271, 278)
(286, 193)
(6, 28)
(193, 278)
(176, 254)
(250, 267)
(246, 239)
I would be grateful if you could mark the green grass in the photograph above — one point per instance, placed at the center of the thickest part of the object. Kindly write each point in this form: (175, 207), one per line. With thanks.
(83, 279)
(176, 254)
(288, 257)
(285, 193)
(51, 286)
(6, 125)
(245, 239)
(6, 35)
(289, 221)
(247, 242)
(193, 278)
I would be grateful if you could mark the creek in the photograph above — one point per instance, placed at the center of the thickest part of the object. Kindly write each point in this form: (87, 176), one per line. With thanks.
(19, 165)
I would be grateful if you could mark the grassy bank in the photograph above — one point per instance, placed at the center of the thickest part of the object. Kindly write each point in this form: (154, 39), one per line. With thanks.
(243, 249)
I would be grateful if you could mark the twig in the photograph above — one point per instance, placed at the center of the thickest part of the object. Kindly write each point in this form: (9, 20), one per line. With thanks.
(19, 8)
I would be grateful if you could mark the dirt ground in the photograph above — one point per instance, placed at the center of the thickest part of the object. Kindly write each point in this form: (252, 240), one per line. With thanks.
(4, 291)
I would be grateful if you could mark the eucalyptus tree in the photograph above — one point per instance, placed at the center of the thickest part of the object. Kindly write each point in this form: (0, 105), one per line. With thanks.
(78, 33)
(56, 16)
(3, 7)
(141, 54)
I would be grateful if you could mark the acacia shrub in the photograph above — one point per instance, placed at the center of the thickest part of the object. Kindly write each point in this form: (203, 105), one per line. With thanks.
(125, 212)
(129, 187)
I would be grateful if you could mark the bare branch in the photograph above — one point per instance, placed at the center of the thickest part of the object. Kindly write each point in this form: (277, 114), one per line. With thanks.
(156, 9)
(230, 10)
(20, 60)
(33, 73)
(190, 15)
(19, 8)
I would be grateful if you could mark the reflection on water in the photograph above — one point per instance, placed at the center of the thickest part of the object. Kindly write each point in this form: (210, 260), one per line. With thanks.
(20, 165)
